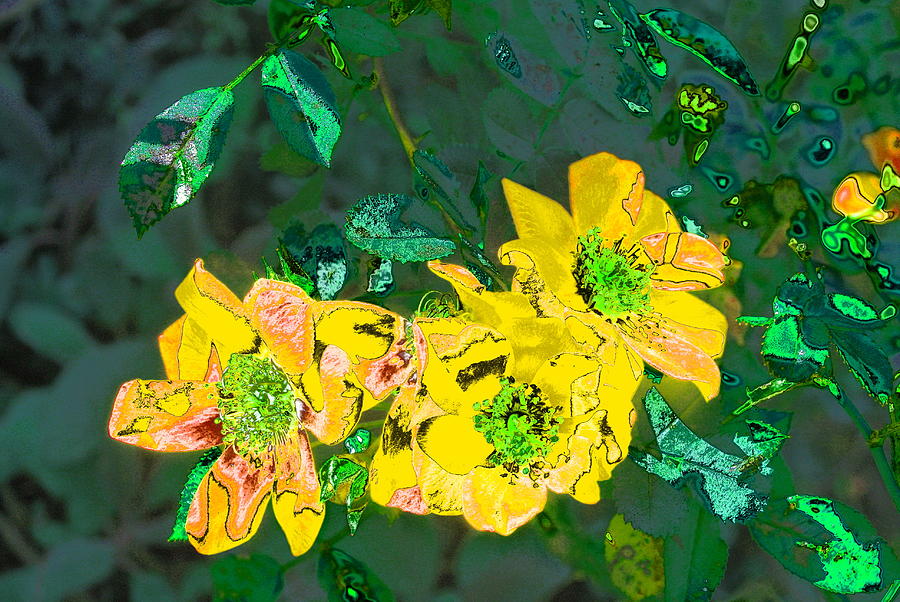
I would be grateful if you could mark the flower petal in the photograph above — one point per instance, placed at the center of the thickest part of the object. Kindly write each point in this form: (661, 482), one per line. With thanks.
(606, 191)
(539, 217)
(332, 399)
(529, 281)
(554, 265)
(391, 469)
(166, 415)
(296, 501)
(692, 319)
(453, 442)
(229, 504)
(684, 261)
(409, 500)
(656, 216)
(579, 475)
(185, 348)
(671, 354)
(571, 380)
(216, 310)
(282, 314)
(492, 503)
(441, 490)
(855, 197)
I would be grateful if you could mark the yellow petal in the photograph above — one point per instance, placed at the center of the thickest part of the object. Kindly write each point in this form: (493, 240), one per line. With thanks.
(553, 265)
(216, 310)
(606, 191)
(391, 469)
(693, 319)
(529, 281)
(185, 348)
(571, 381)
(492, 503)
(363, 330)
(453, 442)
(296, 494)
(656, 216)
(671, 354)
(539, 217)
(282, 314)
(229, 504)
(441, 490)
(485, 307)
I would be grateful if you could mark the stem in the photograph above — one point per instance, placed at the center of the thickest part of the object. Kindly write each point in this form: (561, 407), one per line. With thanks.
(390, 103)
(296, 36)
(881, 463)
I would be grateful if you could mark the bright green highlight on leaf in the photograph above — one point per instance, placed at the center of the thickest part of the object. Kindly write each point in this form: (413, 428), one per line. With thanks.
(346, 579)
(610, 280)
(290, 271)
(256, 406)
(337, 471)
(302, 106)
(381, 277)
(358, 442)
(685, 456)
(520, 425)
(174, 155)
(374, 225)
(190, 489)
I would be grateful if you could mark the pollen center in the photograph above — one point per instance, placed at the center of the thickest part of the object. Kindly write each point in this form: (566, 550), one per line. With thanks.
(611, 279)
(521, 426)
(256, 405)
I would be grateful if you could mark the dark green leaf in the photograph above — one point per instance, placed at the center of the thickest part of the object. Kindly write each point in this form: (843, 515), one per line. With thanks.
(346, 579)
(866, 361)
(695, 558)
(320, 254)
(174, 155)
(705, 42)
(255, 578)
(688, 458)
(49, 331)
(641, 37)
(477, 195)
(374, 225)
(301, 104)
(401, 10)
(825, 542)
(524, 70)
(444, 9)
(359, 32)
(190, 488)
(282, 159)
(435, 184)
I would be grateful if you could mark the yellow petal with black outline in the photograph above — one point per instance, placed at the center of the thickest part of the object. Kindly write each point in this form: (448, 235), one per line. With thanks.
(453, 443)
(539, 217)
(296, 494)
(185, 348)
(491, 502)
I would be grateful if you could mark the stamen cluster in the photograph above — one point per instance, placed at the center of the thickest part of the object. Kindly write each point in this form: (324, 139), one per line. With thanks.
(611, 279)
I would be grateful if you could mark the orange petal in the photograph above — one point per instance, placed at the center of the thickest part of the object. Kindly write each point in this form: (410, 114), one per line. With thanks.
(855, 198)
(332, 398)
(229, 504)
(492, 503)
(296, 502)
(409, 500)
(539, 217)
(282, 314)
(185, 348)
(166, 415)
(692, 320)
(684, 261)
(216, 310)
(606, 192)
(884, 147)
(669, 353)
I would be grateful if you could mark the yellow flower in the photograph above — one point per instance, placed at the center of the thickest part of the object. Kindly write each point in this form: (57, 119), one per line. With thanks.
(617, 272)
(484, 435)
(255, 375)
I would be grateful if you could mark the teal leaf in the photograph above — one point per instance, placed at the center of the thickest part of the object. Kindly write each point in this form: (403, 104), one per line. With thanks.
(337, 471)
(344, 578)
(174, 154)
(380, 277)
(435, 184)
(358, 442)
(374, 226)
(763, 443)
(643, 43)
(825, 542)
(359, 32)
(525, 71)
(320, 254)
(685, 458)
(694, 557)
(190, 488)
(255, 578)
(301, 105)
(705, 42)
(866, 361)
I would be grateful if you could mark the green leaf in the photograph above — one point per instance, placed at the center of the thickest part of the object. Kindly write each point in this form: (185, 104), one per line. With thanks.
(338, 471)
(635, 560)
(703, 41)
(374, 225)
(866, 361)
(344, 578)
(695, 558)
(380, 277)
(255, 578)
(320, 254)
(49, 331)
(359, 32)
(302, 106)
(444, 9)
(174, 154)
(190, 488)
(478, 196)
(291, 271)
(401, 10)
(688, 458)
(825, 542)
(436, 185)
(524, 70)
(283, 159)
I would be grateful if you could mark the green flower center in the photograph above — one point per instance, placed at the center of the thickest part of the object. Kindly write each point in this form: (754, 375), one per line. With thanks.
(610, 279)
(256, 405)
(520, 425)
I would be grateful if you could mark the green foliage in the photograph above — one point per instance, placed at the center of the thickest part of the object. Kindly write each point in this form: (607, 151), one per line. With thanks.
(825, 542)
(290, 271)
(374, 225)
(338, 471)
(255, 578)
(401, 10)
(435, 184)
(688, 458)
(174, 154)
(236, 2)
(695, 557)
(49, 331)
(357, 31)
(191, 485)
(302, 106)
(319, 254)
(344, 578)
(67, 569)
(380, 277)
(635, 560)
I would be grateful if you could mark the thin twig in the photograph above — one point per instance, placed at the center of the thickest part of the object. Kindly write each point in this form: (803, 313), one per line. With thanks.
(390, 103)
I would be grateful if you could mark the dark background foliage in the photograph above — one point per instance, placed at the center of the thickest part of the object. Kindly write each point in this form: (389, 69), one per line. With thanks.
(81, 299)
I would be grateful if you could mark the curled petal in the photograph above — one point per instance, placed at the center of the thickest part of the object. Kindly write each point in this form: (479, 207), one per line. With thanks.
(185, 348)
(539, 217)
(281, 313)
(606, 191)
(229, 504)
(656, 216)
(579, 475)
(684, 261)
(529, 281)
(553, 265)
(409, 500)
(216, 310)
(332, 398)
(296, 502)
(493, 502)
(166, 415)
